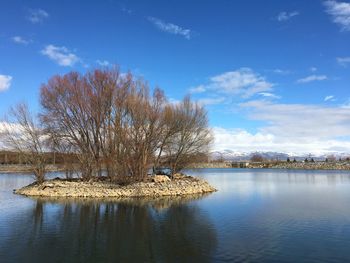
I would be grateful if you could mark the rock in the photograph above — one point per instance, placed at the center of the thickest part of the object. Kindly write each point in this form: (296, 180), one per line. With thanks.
(161, 179)
(178, 176)
(187, 185)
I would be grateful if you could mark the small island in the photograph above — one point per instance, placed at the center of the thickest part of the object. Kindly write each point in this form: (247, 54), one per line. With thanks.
(110, 136)
(159, 185)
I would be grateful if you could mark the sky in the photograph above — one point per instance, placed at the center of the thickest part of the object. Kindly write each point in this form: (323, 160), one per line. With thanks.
(273, 75)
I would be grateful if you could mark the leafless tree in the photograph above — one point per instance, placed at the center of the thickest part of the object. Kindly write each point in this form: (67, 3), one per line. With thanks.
(112, 121)
(22, 133)
(256, 157)
(188, 135)
(331, 158)
(220, 158)
(76, 109)
(65, 151)
(143, 127)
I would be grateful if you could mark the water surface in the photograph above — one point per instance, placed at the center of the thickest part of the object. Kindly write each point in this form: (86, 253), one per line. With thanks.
(256, 216)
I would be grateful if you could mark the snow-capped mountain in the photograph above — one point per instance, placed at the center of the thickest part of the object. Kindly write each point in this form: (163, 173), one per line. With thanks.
(230, 155)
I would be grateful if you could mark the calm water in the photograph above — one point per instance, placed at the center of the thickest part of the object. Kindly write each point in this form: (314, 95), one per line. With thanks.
(256, 216)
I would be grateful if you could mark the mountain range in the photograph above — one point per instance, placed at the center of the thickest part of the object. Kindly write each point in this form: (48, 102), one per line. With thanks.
(230, 155)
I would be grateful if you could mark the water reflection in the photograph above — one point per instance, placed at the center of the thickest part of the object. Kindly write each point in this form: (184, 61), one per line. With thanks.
(268, 182)
(256, 216)
(130, 231)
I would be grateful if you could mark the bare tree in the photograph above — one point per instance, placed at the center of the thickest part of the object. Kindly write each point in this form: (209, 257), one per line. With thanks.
(143, 127)
(76, 110)
(256, 157)
(115, 151)
(64, 149)
(331, 158)
(112, 122)
(22, 134)
(188, 135)
(220, 158)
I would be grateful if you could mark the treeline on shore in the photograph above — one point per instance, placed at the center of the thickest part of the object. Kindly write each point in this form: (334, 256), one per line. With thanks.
(51, 158)
(109, 123)
(338, 164)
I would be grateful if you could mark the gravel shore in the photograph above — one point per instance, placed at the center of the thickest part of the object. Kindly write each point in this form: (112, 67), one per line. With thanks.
(185, 185)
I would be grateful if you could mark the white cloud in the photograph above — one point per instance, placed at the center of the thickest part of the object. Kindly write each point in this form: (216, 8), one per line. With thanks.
(5, 82)
(61, 55)
(300, 121)
(343, 61)
(203, 101)
(340, 13)
(103, 63)
(20, 40)
(269, 95)
(9, 126)
(243, 141)
(37, 15)
(346, 104)
(126, 10)
(298, 127)
(170, 28)
(198, 89)
(211, 101)
(13, 128)
(281, 71)
(174, 101)
(312, 78)
(313, 69)
(239, 139)
(329, 98)
(285, 16)
(244, 82)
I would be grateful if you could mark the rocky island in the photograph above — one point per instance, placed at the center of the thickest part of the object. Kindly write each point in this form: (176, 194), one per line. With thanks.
(157, 186)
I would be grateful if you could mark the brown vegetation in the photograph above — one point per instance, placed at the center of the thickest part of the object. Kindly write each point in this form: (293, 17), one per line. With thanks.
(110, 121)
(256, 158)
(26, 138)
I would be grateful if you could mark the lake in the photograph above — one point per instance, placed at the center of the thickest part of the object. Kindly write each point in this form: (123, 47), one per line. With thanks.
(258, 215)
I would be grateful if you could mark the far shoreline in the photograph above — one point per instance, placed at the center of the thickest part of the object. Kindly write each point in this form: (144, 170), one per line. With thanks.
(26, 169)
(342, 165)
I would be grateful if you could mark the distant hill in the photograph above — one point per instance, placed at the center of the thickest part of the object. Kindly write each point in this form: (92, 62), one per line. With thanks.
(230, 155)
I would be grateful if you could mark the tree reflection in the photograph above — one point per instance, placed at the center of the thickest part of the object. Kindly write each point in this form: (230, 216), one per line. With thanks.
(131, 231)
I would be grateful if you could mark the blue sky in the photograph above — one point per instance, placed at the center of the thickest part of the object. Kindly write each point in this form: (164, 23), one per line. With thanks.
(274, 75)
